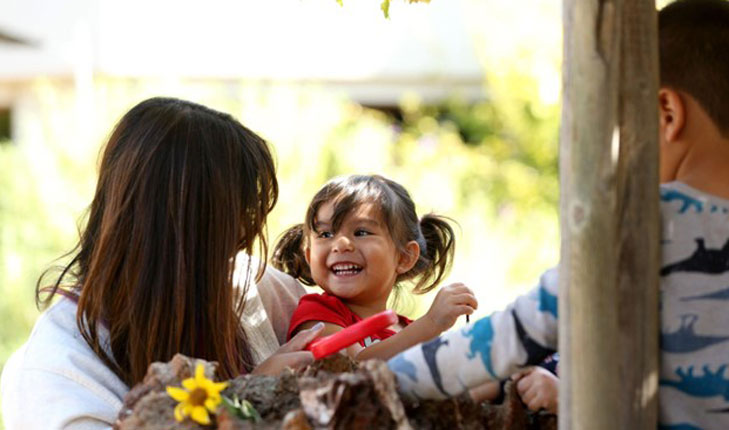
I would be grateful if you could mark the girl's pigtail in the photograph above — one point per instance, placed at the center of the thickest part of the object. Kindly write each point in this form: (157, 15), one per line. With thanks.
(437, 256)
(288, 255)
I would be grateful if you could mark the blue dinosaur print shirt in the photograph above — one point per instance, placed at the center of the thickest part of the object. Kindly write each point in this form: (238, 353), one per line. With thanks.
(694, 384)
(694, 381)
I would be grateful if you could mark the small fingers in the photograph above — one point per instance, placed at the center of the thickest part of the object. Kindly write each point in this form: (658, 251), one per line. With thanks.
(460, 299)
(486, 391)
(463, 310)
(298, 359)
(524, 383)
(302, 338)
(522, 373)
(457, 288)
(528, 397)
(276, 364)
(535, 404)
(465, 299)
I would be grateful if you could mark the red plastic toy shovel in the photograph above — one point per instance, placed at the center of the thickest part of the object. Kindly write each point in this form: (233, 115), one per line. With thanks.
(328, 345)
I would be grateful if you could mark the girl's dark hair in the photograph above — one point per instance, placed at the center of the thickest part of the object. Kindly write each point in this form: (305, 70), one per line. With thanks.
(433, 233)
(181, 190)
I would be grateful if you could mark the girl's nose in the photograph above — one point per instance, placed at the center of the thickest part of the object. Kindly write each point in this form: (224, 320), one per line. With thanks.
(343, 244)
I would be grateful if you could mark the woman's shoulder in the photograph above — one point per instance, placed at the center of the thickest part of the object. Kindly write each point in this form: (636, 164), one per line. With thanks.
(55, 376)
(54, 334)
(281, 284)
(273, 284)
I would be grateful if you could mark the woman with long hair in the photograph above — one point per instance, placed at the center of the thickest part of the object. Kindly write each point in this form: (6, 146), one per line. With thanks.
(162, 267)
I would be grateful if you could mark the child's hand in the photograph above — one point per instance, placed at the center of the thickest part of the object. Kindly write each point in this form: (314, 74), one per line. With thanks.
(451, 302)
(488, 391)
(291, 354)
(538, 389)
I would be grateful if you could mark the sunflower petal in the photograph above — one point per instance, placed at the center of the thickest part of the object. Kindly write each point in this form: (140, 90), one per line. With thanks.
(211, 403)
(218, 386)
(189, 384)
(179, 416)
(178, 393)
(200, 375)
(200, 415)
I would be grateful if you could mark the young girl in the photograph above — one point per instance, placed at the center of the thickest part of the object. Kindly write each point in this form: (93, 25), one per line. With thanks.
(360, 239)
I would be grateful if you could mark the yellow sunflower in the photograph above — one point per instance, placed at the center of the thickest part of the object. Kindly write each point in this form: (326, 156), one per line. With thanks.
(200, 396)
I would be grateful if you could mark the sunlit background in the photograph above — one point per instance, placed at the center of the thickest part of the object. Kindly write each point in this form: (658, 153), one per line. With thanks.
(457, 99)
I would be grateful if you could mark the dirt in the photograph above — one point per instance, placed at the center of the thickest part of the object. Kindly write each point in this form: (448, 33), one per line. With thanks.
(335, 393)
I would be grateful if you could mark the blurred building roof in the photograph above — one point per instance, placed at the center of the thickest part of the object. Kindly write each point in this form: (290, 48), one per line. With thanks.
(422, 47)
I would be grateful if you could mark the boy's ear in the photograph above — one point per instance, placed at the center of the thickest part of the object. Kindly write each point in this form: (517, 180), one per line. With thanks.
(672, 114)
(409, 257)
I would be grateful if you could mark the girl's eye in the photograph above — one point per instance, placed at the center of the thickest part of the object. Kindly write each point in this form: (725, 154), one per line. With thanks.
(362, 233)
(325, 234)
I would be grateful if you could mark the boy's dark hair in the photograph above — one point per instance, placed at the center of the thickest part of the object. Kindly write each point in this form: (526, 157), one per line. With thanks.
(433, 233)
(694, 54)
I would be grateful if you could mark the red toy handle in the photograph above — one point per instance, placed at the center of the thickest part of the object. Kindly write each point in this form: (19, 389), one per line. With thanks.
(328, 345)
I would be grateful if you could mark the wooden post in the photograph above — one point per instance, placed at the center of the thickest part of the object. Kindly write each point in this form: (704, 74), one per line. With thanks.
(609, 216)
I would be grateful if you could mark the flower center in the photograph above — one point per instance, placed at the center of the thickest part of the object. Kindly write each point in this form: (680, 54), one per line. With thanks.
(197, 397)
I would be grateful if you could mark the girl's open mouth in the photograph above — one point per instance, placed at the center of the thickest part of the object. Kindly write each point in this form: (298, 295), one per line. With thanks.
(346, 269)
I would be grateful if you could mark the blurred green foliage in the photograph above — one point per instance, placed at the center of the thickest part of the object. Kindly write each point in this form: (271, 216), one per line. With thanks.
(28, 241)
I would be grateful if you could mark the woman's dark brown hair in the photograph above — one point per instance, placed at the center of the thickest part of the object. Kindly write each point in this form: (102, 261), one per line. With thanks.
(181, 190)
(433, 233)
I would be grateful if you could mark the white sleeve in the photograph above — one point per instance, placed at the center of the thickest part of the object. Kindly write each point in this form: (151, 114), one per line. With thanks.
(36, 399)
(491, 348)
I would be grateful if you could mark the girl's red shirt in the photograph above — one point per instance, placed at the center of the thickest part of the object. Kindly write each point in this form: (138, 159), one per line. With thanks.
(330, 309)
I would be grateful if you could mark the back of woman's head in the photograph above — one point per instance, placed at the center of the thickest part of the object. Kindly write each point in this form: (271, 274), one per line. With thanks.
(182, 189)
(434, 235)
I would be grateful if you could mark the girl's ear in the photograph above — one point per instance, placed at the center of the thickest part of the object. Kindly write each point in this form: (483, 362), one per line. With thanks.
(307, 254)
(408, 257)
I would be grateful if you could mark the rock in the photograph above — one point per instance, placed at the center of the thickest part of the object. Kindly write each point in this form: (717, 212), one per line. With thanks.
(386, 388)
(271, 396)
(334, 393)
(337, 363)
(296, 420)
(147, 404)
(343, 401)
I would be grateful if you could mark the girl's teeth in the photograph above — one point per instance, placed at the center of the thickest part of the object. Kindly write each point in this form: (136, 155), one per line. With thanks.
(346, 269)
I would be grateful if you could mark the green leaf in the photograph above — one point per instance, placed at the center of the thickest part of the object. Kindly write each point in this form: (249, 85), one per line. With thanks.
(230, 406)
(250, 411)
(340, 2)
(242, 409)
(385, 6)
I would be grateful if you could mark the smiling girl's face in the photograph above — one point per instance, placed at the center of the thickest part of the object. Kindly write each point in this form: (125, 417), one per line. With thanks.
(359, 262)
